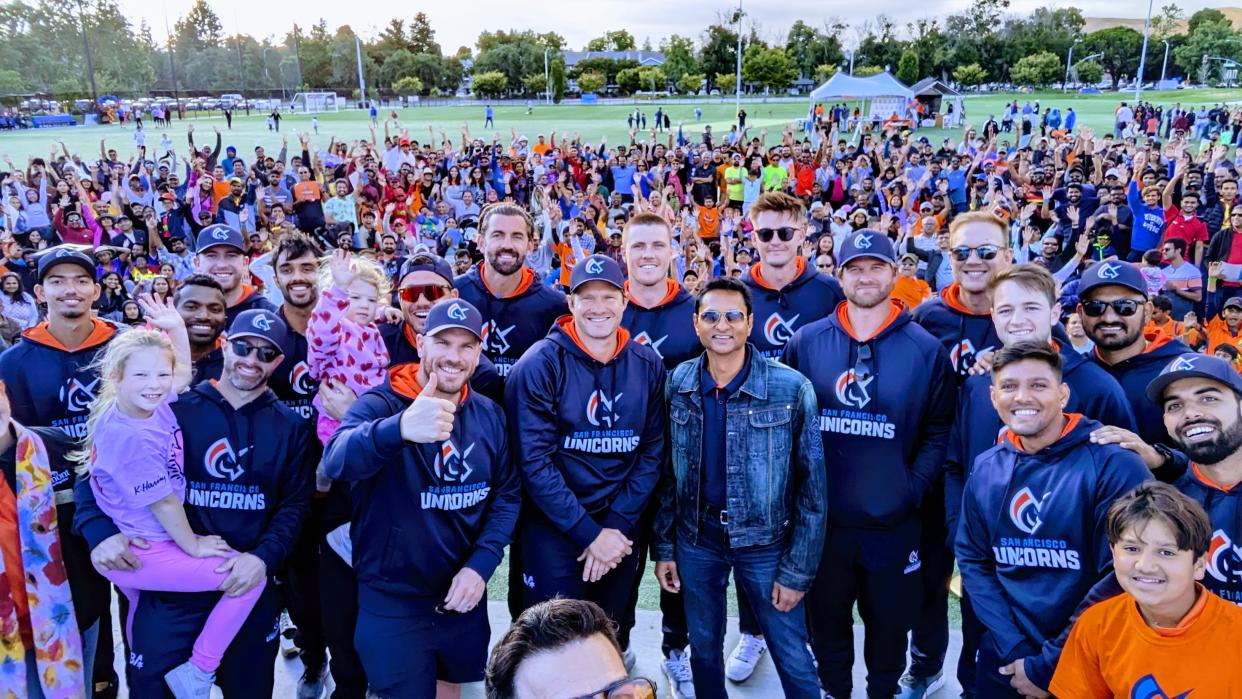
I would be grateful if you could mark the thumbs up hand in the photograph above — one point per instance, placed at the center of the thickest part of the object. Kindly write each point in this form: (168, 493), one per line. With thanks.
(428, 419)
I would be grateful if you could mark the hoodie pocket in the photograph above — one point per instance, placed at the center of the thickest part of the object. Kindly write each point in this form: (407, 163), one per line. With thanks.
(394, 564)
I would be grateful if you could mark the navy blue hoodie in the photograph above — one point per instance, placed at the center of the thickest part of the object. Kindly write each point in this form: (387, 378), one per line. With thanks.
(1224, 508)
(245, 471)
(779, 313)
(589, 436)
(1033, 543)
(251, 298)
(966, 336)
(49, 385)
(884, 438)
(513, 323)
(1093, 393)
(422, 512)
(399, 339)
(667, 328)
(292, 382)
(1134, 374)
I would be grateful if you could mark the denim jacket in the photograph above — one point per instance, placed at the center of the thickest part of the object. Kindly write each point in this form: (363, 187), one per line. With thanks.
(774, 467)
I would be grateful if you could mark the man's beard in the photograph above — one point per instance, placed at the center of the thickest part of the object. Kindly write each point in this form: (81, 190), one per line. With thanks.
(1124, 341)
(1227, 441)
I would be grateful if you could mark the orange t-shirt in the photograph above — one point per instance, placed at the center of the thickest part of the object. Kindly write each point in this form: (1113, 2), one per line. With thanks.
(565, 251)
(307, 190)
(1218, 334)
(709, 223)
(1112, 652)
(911, 290)
(11, 547)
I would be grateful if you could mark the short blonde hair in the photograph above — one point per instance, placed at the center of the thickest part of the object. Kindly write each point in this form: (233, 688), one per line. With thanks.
(780, 203)
(980, 217)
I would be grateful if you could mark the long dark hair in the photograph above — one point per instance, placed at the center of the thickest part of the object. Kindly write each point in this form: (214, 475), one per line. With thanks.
(16, 296)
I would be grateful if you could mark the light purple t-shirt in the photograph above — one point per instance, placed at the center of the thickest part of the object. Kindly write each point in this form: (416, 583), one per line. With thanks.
(135, 462)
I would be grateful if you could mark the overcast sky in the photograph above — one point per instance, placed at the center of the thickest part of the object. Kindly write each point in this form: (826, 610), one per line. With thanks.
(459, 23)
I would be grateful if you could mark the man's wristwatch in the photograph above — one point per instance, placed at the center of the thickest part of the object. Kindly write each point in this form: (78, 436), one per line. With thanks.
(1166, 454)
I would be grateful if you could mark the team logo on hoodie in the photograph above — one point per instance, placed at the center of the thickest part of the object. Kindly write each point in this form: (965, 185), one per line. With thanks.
(851, 392)
(777, 330)
(1224, 559)
(603, 413)
(1149, 688)
(601, 410)
(644, 339)
(964, 354)
(495, 344)
(77, 396)
(221, 461)
(452, 469)
(1024, 510)
(300, 379)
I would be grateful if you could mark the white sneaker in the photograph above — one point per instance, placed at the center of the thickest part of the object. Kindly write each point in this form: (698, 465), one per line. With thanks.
(680, 678)
(742, 661)
(312, 682)
(288, 632)
(189, 682)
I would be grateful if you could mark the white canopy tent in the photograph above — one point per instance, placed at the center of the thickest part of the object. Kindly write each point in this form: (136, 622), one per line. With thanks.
(939, 98)
(883, 94)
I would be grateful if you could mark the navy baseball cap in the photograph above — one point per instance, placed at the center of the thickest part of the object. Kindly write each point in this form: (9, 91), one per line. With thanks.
(1235, 302)
(1112, 273)
(867, 243)
(427, 263)
(596, 268)
(219, 234)
(258, 322)
(454, 313)
(64, 255)
(1194, 365)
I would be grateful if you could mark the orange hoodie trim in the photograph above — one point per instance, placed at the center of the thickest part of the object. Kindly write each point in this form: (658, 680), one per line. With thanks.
(100, 333)
(527, 278)
(670, 293)
(1208, 481)
(952, 296)
(844, 316)
(246, 292)
(756, 273)
(567, 325)
(408, 333)
(1071, 421)
(1196, 611)
(404, 380)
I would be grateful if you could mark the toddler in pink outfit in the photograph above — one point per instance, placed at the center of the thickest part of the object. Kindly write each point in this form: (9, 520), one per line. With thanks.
(344, 344)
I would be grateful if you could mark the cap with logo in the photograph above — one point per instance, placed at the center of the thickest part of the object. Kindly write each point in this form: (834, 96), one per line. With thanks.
(596, 268)
(454, 313)
(219, 234)
(1189, 366)
(1112, 273)
(1235, 302)
(427, 263)
(261, 323)
(867, 243)
(64, 255)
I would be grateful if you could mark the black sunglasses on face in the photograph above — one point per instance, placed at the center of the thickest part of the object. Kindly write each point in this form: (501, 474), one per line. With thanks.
(961, 253)
(1122, 307)
(241, 348)
(785, 233)
(712, 317)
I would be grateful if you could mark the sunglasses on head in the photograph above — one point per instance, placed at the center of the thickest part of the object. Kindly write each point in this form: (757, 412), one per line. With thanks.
(1122, 307)
(962, 253)
(785, 233)
(241, 348)
(628, 688)
(712, 317)
(431, 292)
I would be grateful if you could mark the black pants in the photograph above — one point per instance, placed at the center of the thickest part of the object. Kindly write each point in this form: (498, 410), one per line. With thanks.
(672, 608)
(338, 591)
(300, 589)
(972, 636)
(989, 683)
(929, 639)
(880, 569)
(550, 569)
(166, 625)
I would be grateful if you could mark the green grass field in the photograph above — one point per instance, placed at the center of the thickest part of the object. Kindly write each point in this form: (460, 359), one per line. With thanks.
(592, 122)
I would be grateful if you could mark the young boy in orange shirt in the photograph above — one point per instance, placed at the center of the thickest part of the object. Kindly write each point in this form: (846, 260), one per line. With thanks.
(1167, 635)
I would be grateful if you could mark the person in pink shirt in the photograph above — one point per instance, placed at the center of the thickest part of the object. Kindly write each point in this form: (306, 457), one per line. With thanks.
(133, 454)
(343, 342)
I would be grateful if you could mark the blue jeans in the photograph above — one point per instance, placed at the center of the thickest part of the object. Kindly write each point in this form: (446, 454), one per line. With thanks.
(704, 567)
(90, 638)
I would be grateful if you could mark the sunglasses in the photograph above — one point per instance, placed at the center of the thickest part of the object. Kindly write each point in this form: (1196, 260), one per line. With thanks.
(863, 368)
(962, 253)
(712, 317)
(241, 348)
(628, 688)
(1122, 307)
(785, 233)
(431, 292)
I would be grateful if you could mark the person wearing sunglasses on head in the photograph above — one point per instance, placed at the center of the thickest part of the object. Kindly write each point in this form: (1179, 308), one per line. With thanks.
(246, 481)
(787, 292)
(562, 649)
(1113, 305)
(754, 505)
(886, 395)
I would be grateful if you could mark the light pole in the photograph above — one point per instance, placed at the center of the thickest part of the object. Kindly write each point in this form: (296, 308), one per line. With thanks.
(547, 78)
(738, 77)
(86, 46)
(266, 73)
(1138, 80)
(851, 52)
(1165, 64)
(362, 81)
(1069, 61)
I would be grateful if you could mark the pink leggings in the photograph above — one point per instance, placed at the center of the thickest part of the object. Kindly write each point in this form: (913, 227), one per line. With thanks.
(166, 568)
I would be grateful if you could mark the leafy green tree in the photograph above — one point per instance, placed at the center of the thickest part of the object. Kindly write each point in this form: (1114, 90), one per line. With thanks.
(908, 67)
(719, 53)
(690, 83)
(422, 36)
(535, 84)
(199, 29)
(726, 83)
(11, 83)
(1089, 72)
(652, 79)
(1038, 69)
(809, 47)
(1209, 38)
(399, 64)
(868, 71)
(590, 82)
(409, 85)
(678, 57)
(768, 68)
(629, 80)
(492, 83)
(824, 72)
(1120, 47)
(557, 70)
(620, 40)
(1164, 23)
(970, 75)
(516, 60)
(1203, 16)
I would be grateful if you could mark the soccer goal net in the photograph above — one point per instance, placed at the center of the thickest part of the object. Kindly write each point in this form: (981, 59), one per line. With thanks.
(317, 102)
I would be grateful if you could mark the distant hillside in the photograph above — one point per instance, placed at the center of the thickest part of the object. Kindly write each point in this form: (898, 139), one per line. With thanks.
(1097, 23)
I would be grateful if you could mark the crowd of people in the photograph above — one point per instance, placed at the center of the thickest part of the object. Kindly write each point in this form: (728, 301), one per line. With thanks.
(308, 402)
